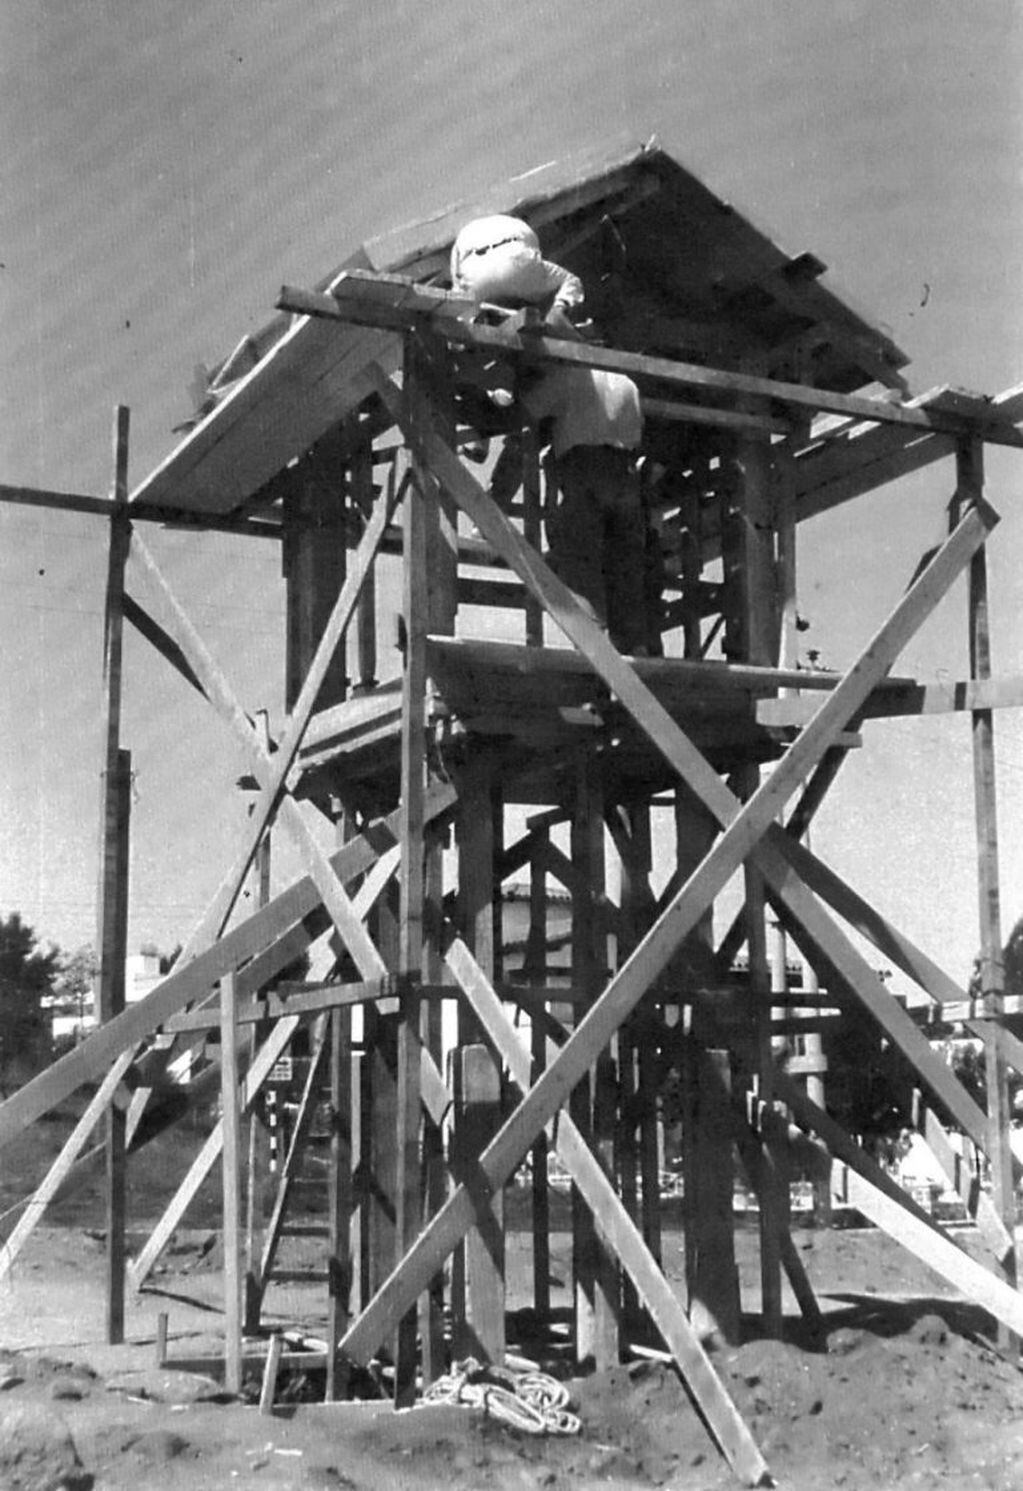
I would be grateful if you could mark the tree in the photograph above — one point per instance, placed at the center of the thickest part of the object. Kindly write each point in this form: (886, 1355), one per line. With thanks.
(27, 976)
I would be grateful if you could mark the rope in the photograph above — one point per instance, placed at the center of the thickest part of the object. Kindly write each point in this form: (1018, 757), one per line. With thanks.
(529, 1401)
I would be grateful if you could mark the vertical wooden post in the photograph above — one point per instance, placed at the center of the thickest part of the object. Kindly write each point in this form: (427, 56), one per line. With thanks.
(597, 1285)
(969, 488)
(410, 951)
(315, 560)
(481, 1266)
(254, 1140)
(535, 971)
(112, 898)
(431, 1306)
(339, 1201)
(361, 493)
(480, 1118)
(230, 1099)
(772, 1204)
(531, 525)
(712, 1279)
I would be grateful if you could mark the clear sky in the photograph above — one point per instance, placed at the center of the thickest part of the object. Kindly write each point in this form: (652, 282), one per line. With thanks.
(167, 167)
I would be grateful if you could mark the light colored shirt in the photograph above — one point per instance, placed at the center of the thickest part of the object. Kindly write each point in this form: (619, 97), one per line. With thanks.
(589, 407)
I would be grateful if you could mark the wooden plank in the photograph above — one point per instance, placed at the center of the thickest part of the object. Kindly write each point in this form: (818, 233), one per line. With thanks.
(625, 1241)
(889, 702)
(158, 638)
(104, 507)
(745, 829)
(724, 419)
(937, 1251)
(976, 1201)
(230, 1126)
(676, 677)
(300, 388)
(272, 1367)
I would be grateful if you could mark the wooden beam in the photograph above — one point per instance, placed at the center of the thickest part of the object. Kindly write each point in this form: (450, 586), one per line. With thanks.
(104, 507)
(969, 489)
(685, 375)
(418, 510)
(230, 1126)
(158, 638)
(895, 701)
(112, 897)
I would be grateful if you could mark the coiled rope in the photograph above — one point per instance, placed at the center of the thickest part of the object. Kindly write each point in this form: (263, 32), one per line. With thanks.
(530, 1401)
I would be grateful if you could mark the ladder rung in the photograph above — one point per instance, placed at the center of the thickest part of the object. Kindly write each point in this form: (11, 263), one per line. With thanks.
(299, 1276)
(300, 1229)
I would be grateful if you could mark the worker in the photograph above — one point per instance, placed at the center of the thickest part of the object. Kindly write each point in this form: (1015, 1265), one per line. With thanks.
(596, 533)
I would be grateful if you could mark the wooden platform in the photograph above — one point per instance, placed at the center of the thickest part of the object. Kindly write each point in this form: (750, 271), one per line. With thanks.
(549, 703)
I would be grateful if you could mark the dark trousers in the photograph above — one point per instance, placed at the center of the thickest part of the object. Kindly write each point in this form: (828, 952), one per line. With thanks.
(596, 538)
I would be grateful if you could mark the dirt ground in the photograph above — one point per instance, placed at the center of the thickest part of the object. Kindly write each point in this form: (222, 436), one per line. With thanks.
(909, 1391)
(905, 1391)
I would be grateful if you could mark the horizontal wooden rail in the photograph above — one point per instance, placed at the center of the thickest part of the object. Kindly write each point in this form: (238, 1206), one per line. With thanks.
(348, 303)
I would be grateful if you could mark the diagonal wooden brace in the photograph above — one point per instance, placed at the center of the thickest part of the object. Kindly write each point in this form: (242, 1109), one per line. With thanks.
(351, 930)
(746, 827)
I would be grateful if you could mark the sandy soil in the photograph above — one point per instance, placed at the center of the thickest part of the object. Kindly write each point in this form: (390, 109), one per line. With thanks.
(908, 1391)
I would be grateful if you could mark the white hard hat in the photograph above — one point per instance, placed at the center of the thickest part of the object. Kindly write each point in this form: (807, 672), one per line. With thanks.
(486, 233)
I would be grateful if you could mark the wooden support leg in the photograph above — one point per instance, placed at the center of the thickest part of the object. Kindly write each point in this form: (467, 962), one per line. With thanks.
(970, 474)
(112, 899)
(232, 1162)
(339, 1260)
(484, 1251)
(484, 1328)
(711, 1274)
(774, 1194)
(431, 1305)
(535, 970)
(408, 1177)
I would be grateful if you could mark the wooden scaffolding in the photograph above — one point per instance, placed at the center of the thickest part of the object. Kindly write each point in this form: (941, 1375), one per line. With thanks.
(641, 786)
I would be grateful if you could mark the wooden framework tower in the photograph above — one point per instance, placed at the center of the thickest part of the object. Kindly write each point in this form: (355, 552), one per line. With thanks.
(445, 1052)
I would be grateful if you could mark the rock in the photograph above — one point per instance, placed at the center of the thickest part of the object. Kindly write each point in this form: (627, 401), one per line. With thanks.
(37, 1452)
(160, 1385)
(157, 1446)
(71, 1389)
